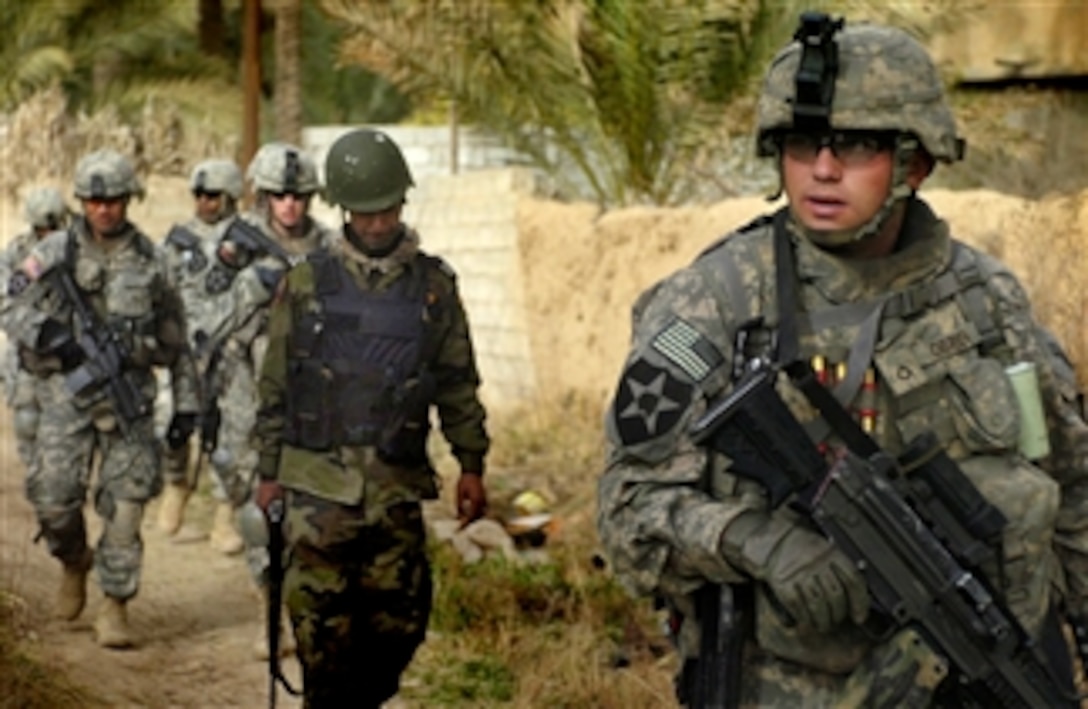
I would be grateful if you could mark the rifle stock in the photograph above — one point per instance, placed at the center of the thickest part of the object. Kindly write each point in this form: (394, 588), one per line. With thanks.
(916, 577)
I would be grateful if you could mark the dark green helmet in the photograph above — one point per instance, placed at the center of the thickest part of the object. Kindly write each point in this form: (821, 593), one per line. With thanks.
(365, 172)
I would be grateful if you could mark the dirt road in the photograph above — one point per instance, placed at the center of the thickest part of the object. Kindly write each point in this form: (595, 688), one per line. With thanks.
(195, 616)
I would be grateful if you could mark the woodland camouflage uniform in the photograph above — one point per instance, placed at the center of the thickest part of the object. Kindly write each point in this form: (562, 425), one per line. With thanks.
(358, 584)
(125, 280)
(942, 321)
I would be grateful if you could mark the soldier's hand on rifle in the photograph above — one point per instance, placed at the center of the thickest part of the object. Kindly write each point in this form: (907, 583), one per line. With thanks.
(181, 428)
(267, 491)
(816, 584)
(471, 497)
(55, 340)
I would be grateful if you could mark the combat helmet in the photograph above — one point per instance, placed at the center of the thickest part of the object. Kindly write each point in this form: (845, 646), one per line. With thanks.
(282, 167)
(365, 172)
(45, 208)
(858, 77)
(106, 174)
(217, 175)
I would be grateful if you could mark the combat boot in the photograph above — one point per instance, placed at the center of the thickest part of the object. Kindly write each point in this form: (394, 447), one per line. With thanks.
(172, 508)
(287, 633)
(111, 627)
(72, 595)
(224, 537)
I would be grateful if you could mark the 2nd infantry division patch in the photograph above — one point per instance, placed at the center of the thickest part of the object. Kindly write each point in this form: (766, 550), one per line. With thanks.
(649, 402)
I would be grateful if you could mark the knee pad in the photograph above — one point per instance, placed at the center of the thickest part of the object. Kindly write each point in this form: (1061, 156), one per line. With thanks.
(26, 423)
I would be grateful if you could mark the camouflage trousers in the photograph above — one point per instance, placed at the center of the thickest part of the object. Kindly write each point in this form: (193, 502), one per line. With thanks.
(70, 443)
(358, 590)
(902, 673)
(233, 460)
(26, 413)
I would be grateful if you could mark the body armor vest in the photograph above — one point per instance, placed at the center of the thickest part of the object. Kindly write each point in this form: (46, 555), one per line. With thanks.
(355, 372)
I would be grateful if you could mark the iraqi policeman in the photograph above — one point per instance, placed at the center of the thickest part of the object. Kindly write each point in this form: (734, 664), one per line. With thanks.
(912, 331)
(365, 339)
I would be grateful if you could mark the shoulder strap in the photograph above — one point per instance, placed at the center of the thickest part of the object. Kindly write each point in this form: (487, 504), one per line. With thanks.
(326, 272)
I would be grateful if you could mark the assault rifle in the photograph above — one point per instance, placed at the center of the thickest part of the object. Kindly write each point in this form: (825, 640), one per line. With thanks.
(274, 514)
(918, 539)
(105, 355)
(210, 417)
(254, 243)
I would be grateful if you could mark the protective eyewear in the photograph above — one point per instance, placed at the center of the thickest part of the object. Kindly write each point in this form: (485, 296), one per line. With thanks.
(280, 196)
(850, 147)
(207, 194)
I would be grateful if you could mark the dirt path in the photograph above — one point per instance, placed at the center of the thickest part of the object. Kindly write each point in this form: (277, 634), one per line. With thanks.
(195, 616)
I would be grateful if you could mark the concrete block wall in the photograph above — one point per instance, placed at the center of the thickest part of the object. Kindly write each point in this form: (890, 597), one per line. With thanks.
(426, 148)
(469, 219)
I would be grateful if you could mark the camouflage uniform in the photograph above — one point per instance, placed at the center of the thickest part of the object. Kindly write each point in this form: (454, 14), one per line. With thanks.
(357, 585)
(127, 284)
(192, 257)
(243, 353)
(944, 321)
(46, 211)
(252, 291)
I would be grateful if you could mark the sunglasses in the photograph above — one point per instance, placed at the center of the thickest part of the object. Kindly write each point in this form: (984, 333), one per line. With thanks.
(207, 194)
(851, 147)
(280, 196)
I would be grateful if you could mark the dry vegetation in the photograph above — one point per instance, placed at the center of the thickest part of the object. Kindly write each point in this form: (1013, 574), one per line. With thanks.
(42, 141)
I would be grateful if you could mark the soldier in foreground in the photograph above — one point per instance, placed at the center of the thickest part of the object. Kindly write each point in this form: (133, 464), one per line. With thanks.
(92, 311)
(191, 255)
(364, 339)
(857, 291)
(46, 211)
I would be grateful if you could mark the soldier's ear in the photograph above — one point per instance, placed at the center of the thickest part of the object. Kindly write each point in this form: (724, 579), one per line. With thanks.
(919, 167)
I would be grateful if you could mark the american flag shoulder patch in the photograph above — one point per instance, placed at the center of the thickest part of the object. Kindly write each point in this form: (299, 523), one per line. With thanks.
(688, 349)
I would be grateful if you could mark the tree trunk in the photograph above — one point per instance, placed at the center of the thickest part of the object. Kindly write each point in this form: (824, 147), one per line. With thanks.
(288, 91)
(210, 27)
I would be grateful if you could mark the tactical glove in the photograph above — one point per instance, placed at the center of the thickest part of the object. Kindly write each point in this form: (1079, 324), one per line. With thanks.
(815, 583)
(181, 427)
(55, 340)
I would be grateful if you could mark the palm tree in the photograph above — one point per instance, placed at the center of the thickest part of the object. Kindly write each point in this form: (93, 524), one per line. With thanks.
(612, 91)
(288, 91)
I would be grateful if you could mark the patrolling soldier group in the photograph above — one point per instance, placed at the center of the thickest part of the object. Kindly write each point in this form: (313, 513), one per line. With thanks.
(364, 334)
(886, 343)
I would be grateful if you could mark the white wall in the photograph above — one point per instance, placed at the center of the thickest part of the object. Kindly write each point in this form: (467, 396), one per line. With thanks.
(470, 220)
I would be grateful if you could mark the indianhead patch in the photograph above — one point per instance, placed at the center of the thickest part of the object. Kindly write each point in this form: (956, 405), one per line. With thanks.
(650, 402)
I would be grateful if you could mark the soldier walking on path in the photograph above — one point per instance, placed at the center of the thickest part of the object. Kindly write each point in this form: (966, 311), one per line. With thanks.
(92, 311)
(191, 250)
(364, 339)
(46, 212)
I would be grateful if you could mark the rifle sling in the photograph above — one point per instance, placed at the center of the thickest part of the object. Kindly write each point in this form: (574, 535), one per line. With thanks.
(789, 349)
